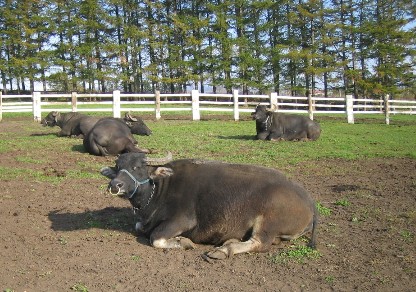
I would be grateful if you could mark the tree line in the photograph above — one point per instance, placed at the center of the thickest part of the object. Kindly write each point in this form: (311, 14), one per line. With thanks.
(301, 47)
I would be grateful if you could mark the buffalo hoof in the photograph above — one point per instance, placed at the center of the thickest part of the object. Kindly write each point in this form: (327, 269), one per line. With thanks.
(186, 243)
(216, 254)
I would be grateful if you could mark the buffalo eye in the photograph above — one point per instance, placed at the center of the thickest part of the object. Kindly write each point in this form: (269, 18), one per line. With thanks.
(134, 167)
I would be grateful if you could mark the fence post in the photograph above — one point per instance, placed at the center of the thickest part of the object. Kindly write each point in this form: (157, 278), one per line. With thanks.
(116, 104)
(157, 104)
(387, 108)
(273, 101)
(310, 106)
(1, 106)
(235, 100)
(74, 101)
(349, 108)
(196, 115)
(36, 108)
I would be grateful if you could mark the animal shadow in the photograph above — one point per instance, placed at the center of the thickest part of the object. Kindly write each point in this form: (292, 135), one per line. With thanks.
(78, 148)
(238, 137)
(42, 134)
(110, 218)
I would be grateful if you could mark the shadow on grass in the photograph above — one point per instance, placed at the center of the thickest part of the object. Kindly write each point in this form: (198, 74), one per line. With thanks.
(43, 134)
(79, 148)
(238, 137)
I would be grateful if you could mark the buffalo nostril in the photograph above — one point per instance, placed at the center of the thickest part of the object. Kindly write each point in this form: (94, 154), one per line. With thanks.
(115, 188)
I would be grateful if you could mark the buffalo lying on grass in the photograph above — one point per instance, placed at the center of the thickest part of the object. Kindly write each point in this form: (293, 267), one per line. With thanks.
(277, 126)
(243, 208)
(71, 124)
(136, 125)
(110, 136)
(78, 125)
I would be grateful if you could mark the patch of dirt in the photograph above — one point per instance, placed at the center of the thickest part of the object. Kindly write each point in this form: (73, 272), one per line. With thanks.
(54, 237)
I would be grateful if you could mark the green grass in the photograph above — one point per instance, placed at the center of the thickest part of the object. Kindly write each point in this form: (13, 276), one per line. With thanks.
(295, 253)
(233, 142)
(343, 203)
(322, 210)
(228, 141)
(406, 235)
(79, 287)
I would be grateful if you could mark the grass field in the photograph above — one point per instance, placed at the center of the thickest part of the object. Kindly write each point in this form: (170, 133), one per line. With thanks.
(56, 212)
(234, 141)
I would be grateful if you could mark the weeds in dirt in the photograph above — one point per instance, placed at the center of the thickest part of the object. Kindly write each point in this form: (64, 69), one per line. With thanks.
(79, 287)
(322, 210)
(329, 279)
(406, 235)
(63, 240)
(364, 214)
(135, 258)
(343, 203)
(296, 253)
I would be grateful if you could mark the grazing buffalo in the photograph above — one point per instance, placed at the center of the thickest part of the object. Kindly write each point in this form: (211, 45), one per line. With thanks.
(76, 124)
(277, 126)
(239, 208)
(71, 124)
(110, 136)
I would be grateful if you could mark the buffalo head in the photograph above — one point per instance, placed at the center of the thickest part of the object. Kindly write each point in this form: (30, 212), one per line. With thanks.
(51, 119)
(131, 175)
(136, 125)
(261, 112)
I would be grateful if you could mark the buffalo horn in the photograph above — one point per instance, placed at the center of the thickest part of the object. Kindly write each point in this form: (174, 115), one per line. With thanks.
(272, 108)
(128, 116)
(159, 161)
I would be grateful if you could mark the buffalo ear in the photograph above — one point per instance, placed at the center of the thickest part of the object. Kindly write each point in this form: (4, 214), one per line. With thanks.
(108, 172)
(161, 172)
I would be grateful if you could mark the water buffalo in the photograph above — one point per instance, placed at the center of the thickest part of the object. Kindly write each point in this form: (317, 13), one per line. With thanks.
(277, 126)
(71, 124)
(76, 124)
(240, 208)
(136, 125)
(110, 136)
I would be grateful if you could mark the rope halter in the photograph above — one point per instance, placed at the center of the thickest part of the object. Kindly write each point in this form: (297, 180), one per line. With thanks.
(136, 182)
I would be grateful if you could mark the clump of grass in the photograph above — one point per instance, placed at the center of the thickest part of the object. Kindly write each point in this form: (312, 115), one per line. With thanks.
(322, 210)
(79, 287)
(343, 203)
(329, 279)
(63, 240)
(296, 253)
(135, 258)
(406, 235)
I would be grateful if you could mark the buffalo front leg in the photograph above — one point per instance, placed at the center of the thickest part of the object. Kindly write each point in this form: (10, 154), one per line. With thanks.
(175, 242)
(232, 247)
(167, 236)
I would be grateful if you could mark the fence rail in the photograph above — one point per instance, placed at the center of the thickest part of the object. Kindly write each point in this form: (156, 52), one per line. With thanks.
(197, 103)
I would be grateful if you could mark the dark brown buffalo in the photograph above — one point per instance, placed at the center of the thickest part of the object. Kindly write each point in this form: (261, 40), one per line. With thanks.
(277, 126)
(78, 125)
(110, 136)
(242, 208)
(71, 124)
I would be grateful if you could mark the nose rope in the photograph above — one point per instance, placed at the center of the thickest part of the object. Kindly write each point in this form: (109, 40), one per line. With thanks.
(136, 182)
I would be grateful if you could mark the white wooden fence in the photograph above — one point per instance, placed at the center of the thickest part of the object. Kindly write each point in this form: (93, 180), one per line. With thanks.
(197, 103)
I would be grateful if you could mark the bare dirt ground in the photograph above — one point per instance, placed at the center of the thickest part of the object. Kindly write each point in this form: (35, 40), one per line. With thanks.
(72, 236)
